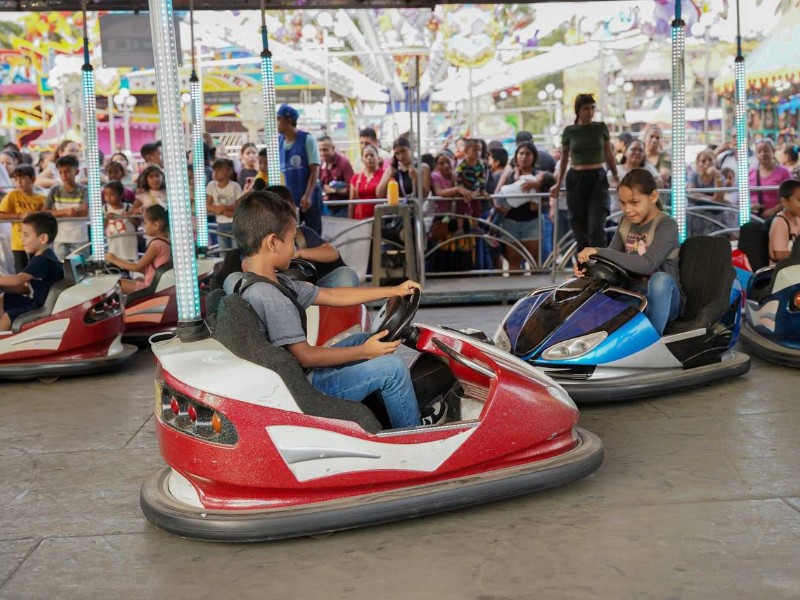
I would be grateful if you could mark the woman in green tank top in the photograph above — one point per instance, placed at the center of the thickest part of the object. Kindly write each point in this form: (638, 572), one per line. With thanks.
(587, 146)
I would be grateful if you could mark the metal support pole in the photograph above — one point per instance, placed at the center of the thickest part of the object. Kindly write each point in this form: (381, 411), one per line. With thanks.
(112, 133)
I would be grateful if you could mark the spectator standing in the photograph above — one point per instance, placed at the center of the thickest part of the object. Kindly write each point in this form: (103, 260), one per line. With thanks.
(364, 186)
(632, 158)
(791, 157)
(404, 171)
(248, 155)
(704, 175)
(116, 211)
(587, 145)
(68, 199)
(368, 137)
(49, 177)
(18, 203)
(151, 154)
(335, 175)
(150, 189)
(222, 194)
(300, 167)
(116, 172)
(767, 172)
(662, 161)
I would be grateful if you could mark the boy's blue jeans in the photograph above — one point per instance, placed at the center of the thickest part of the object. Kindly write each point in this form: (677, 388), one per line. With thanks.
(387, 374)
(663, 300)
(226, 242)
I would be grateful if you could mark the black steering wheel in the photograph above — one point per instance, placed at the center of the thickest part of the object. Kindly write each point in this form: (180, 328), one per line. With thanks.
(396, 316)
(605, 269)
(300, 269)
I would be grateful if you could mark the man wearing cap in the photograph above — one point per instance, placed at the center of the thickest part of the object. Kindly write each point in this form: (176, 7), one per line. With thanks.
(300, 167)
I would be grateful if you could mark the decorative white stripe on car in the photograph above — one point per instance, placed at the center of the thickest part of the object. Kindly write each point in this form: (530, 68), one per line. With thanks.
(86, 289)
(47, 336)
(686, 335)
(317, 453)
(786, 277)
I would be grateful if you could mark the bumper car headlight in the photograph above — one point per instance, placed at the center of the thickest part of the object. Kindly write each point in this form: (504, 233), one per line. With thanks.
(502, 340)
(574, 347)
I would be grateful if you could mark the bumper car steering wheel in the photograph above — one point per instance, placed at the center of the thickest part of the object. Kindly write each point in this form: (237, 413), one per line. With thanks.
(300, 269)
(607, 270)
(396, 316)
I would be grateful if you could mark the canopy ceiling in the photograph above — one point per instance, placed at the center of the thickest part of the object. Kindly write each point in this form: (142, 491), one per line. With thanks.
(142, 5)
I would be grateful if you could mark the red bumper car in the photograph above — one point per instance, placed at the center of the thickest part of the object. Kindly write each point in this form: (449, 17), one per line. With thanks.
(255, 453)
(78, 330)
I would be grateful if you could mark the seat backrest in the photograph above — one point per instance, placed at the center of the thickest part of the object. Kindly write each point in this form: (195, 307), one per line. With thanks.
(237, 327)
(150, 289)
(706, 278)
(754, 242)
(47, 308)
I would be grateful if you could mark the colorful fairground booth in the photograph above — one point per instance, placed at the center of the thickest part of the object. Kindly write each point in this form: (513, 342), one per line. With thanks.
(773, 82)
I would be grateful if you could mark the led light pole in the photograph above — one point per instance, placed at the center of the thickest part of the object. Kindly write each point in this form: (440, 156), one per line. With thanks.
(162, 25)
(742, 174)
(679, 200)
(270, 114)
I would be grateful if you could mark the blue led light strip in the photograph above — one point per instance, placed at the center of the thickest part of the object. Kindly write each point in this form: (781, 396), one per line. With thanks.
(679, 200)
(270, 122)
(198, 162)
(165, 53)
(97, 227)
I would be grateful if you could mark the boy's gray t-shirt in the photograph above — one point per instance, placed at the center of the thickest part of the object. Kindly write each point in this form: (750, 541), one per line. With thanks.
(277, 312)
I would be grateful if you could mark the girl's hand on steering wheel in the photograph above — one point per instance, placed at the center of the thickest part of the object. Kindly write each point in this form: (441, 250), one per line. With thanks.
(374, 347)
(586, 254)
(406, 288)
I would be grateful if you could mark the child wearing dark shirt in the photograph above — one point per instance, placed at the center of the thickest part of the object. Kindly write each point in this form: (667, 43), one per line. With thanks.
(27, 291)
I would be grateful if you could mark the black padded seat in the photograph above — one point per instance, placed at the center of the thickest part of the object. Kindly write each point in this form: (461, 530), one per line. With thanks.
(754, 242)
(706, 278)
(150, 289)
(237, 327)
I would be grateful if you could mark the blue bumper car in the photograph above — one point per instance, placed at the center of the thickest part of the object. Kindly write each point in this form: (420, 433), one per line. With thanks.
(592, 336)
(772, 312)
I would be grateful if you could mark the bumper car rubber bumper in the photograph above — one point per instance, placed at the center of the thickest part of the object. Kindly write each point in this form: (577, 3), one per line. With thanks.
(630, 387)
(765, 348)
(28, 370)
(170, 514)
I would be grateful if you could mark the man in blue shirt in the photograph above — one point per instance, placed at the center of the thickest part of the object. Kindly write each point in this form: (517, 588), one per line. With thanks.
(300, 167)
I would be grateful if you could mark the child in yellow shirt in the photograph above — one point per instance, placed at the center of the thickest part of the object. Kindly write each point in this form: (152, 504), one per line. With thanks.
(17, 204)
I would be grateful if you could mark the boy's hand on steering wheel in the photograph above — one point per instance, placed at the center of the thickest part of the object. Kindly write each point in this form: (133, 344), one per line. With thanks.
(374, 347)
(578, 271)
(406, 288)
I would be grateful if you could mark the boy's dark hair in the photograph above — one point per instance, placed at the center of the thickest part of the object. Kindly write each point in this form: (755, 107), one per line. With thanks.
(368, 132)
(282, 192)
(523, 136)
(500, 155)
(23, 171)
(43, 222)
(429, 159)
(222, 163)
(149, 148)
(67, 161)
(158, 213)
(470, 142)
(116, 187)
(262, 152)
(785, 190)
(548, 180)
(258, 215)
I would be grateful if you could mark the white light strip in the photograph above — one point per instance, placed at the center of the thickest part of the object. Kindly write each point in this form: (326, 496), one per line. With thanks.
(679, 200)
(270, 118)
(165, 52)
(92, 151)
(742, 174)
(198, 162)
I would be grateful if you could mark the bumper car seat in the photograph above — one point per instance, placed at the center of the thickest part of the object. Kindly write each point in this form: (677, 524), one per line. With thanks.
(754, 242)
(764, 280)
(236, 326)
(706, 278)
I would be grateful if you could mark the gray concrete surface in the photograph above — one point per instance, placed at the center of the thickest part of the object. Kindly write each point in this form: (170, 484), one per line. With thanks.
(698, 498)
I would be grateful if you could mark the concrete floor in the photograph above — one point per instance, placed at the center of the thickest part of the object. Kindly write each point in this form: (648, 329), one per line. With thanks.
(699, 497)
